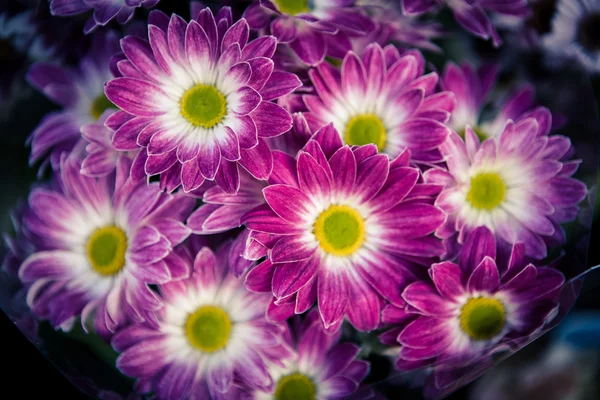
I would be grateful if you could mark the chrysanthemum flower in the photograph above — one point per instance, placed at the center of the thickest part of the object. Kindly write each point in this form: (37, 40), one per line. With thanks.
(382, 98)
(575, 34)
(101, 158)
(99, 243)
(201, 98)
(210, 331)
(104, 10)
(468, 309)
(472, 88)
(320, 368)
(81, 94)
(519, 184)
(345, 234)
(307, 26)
(471, 15)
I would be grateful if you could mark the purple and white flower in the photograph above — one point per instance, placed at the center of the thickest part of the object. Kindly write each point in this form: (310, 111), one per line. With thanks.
(574, 33)
(201, 98)
(519, 184)
(210, 332)
(99, 243)
(104, 10)
(346, 231)
(320, 368)
(309, 27)
(467, 310)
(382, 98)
(80, 92)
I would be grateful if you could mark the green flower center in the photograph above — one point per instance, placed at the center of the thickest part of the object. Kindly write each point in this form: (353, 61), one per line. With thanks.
(100, 104)
(365, 129)
(487, 190)
(295, 387)
(340, 230)
(203, 106)
(478, 131)
(292, 7)
(208, 329)
(106, 249)
(482, 318)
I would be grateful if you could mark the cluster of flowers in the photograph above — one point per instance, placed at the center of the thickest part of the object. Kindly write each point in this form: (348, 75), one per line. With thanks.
(363, 190)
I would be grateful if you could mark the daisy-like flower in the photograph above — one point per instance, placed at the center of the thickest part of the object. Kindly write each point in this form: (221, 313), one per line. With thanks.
(575, 33)
(104, 10)
(382, 98)
(346, 233)
(210, 330)
(101, 158)
(99, 243)
(471, 14)
(201, 100)
(321, 367)
(472, 90)
(518, 184)
(80, 92)
(308, 26)
(471, 308)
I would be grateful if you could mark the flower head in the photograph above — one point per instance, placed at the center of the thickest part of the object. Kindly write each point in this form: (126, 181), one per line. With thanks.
(518, 184)
(467, 310)
(99, 243)
(210, 331)
(382, 98)
(345, 230)
(80, 92)
(309, 27)
(201, 100)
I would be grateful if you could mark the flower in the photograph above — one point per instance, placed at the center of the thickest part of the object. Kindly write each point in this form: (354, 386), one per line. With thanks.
(80, 93)
(104, 10)
(574, 33)
(519, 184)
(320, 367)
(471, 14)
(382, 98)
(99, 243)
(467, 310)
(210, 330)
(307, 27)
(101, 158)
(345, 232)
(201, 100)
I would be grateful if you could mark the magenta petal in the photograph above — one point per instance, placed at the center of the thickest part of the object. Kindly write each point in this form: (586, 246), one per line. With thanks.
(312, 178)
(160, 163)
(258, 161)
(279, 84)
(479, 244)
(288, 202)
(249, 99)
(260, 277)
(209, 159)
(135, 96)
(485, 277)
(364, 305)
(448, 279)
(425, 298)
(332, 295)
(310, 47)
(371, 175)
(423, 333)
(271, 119)
(291, 249)
(343, 168)
(290, 277)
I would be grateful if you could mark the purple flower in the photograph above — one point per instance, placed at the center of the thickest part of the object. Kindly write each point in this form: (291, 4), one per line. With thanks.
(210, 331)
(320, 367)
(79, 92)
(519, 184)
(104, 10)
(99, 243)
(101, 158)
(201, 98)
(308, 27)
(345, 228)
(471, 309)
(471, 14)
(382, 98)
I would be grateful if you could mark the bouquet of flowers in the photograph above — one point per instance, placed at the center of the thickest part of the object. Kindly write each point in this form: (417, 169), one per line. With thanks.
(271, 199)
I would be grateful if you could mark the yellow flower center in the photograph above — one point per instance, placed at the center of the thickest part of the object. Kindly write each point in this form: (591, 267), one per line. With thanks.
(482, 318)
(486, 191)
(100, 104)
(295, 387)
(106, 249)
(292, 7)
(365, 129)
(203, 106)
(208, 329)
(340, 230)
